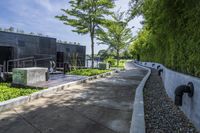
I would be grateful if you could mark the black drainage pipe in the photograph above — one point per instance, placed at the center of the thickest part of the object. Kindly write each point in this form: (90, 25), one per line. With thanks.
(180, 90)
(160, 71)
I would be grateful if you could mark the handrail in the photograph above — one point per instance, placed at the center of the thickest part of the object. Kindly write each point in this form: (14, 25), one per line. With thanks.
(47, 58)
(20, 59)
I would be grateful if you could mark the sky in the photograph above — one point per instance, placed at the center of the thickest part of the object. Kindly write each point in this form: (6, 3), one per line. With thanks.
(38, 16)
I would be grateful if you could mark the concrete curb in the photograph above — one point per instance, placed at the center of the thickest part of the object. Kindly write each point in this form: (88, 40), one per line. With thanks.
(9, 104)
(138, 121)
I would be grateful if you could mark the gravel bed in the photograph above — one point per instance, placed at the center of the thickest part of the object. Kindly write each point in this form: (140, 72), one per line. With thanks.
(161, 115)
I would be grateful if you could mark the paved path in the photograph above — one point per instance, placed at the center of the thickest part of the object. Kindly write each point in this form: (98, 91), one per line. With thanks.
(57, 79)
(100, 106)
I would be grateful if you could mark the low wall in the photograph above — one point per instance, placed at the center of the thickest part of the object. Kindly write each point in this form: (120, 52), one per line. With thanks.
(138, 122)
(171, 80)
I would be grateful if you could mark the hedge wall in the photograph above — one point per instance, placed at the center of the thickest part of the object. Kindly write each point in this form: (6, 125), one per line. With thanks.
(171, 34)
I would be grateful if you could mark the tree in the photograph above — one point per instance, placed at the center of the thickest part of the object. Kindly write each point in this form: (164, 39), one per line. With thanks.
(86, 16)
(103, 54)
(116, 34)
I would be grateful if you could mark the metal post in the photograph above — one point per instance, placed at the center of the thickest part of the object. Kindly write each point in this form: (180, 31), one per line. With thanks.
(87, 63)
(7, 66)
(4, 66)
(64, 68)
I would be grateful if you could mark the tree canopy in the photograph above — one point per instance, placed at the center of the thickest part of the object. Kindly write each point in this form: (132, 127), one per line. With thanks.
(170, 34)
(86, 16)
(116, 34)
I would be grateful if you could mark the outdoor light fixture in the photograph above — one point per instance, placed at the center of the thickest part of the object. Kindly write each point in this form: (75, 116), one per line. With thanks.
(180, 90)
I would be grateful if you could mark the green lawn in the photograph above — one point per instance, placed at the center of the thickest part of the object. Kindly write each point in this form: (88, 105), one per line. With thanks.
(7, 92)
(88, 72)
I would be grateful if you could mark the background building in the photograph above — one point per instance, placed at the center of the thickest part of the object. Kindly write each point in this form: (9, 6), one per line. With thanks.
(73, 54)
(28, 50)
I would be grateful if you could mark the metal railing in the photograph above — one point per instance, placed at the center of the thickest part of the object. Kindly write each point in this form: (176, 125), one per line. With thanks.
(41, 59)
(17, 62)
(26, 62)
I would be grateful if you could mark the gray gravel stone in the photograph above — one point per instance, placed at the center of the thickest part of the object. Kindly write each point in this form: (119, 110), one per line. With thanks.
(161, 115)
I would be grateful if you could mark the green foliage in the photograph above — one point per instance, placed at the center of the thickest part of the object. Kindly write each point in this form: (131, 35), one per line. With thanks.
(104, 66)
(103, 54)
(88, 72)
(7, 92)
(86, 16)
(111, 61)
(121, 63)
(117, 34)
(170, 34)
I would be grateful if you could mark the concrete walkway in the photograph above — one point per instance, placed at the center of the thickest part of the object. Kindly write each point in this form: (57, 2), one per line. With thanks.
(100, 106)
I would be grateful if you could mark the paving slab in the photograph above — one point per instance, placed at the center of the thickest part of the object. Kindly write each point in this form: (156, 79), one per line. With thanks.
(57, 79)
(100, 106)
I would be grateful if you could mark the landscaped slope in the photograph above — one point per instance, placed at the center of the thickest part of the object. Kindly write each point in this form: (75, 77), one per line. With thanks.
(171, 34)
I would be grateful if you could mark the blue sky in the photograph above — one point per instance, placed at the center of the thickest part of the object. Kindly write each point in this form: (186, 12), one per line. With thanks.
(38, 16)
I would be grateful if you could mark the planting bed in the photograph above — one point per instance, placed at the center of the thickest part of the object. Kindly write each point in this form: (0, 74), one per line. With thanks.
(7, 92)
(88, 72)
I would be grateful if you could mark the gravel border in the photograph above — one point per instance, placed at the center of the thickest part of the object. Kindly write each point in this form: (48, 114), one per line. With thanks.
(9, 104)
(138, 122)
(161, 115)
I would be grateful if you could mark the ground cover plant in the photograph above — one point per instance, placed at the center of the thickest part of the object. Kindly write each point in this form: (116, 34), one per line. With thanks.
(88, 72)
(7, 92)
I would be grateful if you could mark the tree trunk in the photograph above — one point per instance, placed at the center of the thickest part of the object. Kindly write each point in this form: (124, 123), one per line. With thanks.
(92, 49)
(117, 58)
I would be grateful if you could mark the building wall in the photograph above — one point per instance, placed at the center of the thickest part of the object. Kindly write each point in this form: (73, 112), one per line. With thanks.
(24, 46)
(28, 45)
(40, 47)
(71, 51)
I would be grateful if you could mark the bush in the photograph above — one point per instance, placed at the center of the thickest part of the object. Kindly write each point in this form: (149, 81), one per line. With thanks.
(88, 72)
(111, 61)
(104, 66)
(170, 35)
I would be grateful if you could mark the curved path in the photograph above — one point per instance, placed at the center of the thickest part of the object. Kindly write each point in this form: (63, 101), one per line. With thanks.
(100, 106)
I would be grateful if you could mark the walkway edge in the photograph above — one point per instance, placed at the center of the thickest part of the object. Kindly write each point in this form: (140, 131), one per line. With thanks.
(10, 104)
(138, 120)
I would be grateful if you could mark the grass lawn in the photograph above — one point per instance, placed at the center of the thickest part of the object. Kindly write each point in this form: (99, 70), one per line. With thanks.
(7, 92)
(88, 72)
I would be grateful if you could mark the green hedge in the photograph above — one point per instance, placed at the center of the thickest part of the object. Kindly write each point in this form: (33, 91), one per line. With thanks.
(88, 72)
(171, 34)
(7, 92)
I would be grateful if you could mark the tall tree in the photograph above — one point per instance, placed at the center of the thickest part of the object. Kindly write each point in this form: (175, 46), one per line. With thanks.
(116, 34)
(86, 16)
